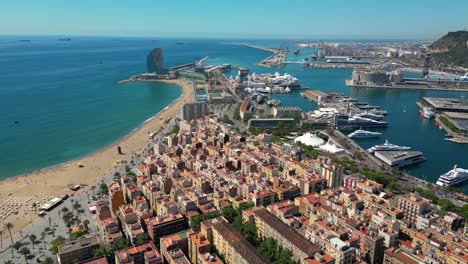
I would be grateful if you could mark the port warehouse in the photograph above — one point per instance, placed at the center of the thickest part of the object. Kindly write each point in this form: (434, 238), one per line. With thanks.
(51, 204)
(380, 78)
(454, 109)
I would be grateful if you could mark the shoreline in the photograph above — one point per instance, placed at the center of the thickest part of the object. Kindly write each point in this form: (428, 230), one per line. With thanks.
(54, 180)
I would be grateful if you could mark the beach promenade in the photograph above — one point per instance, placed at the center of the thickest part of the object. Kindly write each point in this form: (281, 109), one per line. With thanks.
(55, 181)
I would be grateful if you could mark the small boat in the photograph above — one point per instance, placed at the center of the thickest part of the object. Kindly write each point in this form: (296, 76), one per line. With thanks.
(427, 112)
(364, 134)
(296, 51)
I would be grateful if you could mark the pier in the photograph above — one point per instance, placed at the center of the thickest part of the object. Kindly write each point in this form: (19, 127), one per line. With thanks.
(188, 65)
(279, 56)
(407, 87)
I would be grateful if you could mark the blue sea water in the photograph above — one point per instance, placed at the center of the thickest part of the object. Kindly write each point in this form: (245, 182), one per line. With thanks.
(64, 97)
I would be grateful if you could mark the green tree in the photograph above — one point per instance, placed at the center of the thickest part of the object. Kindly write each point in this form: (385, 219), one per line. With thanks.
(48, 260)
(229, 213)
(1, 238)
(25, 252)
(67, 217)
(9, 226)
(60, 240)
(76, 235)
(121, 244)
(43, 235)
(142, 239)
(8, 262)
(32, 238)
(196, 220)
(86, 223)
(102, 251)
(269, 248)
(103, 189)
(17, 245)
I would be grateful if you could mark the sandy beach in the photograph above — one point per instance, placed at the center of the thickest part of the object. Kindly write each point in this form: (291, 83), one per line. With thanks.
(54, 181)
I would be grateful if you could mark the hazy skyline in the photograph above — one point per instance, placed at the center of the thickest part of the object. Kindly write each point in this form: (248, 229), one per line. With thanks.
(342, 19)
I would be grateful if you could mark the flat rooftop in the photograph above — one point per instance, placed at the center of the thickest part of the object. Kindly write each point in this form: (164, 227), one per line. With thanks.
(456, 115)
(455, 104)
(288, 232)
(393, 156)
(78, 244)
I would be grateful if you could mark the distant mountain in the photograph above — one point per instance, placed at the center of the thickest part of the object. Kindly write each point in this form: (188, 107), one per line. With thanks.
(451, 49)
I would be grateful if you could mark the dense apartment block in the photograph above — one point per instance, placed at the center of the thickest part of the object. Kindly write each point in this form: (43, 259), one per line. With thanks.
(229, 243)
(146, 253)
(302, 249)
(160, 226)
(78, 250)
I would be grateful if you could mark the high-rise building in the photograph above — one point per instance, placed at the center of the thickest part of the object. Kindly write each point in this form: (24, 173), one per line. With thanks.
(333, 173)
(193, 111)
(154, 61)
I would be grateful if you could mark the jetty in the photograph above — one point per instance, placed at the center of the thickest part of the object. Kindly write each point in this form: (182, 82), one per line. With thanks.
(188, 65)
(279, 56)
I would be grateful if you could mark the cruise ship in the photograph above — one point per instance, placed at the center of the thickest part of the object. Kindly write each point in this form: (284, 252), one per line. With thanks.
(364, 134)
(427, 112)
(453, 177)
(386, 147)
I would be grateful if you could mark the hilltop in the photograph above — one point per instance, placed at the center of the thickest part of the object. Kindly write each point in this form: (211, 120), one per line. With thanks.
(451, 49)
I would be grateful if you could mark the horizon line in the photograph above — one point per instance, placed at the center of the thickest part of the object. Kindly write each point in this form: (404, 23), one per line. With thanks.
(298, 38)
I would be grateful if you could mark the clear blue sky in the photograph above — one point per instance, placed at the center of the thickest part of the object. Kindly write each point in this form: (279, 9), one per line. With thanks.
(405, 19)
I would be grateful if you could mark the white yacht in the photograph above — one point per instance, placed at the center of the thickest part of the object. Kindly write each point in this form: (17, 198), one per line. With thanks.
(285, 80)
(364, 134)
(428, 112)
(453, 177)
(371, 115)
(386, 147)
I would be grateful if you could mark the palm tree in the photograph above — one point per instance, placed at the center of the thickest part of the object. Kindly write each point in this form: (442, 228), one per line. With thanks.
(9, 226)
(43, 235)
(25, 252)
(68, 227)
(86, 223)
(32, 238)
(48, 260)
